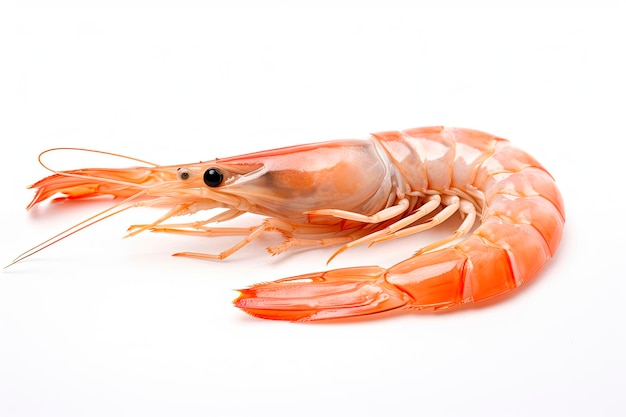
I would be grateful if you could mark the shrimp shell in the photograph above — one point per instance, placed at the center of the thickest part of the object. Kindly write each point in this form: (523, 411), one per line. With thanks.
(348, 193)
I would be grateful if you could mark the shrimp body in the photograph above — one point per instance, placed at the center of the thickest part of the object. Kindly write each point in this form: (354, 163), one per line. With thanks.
(352, 192)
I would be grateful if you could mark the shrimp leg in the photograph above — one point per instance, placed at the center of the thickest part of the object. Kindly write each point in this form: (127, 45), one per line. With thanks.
(254, 232)
(221, 217)
(385, 214)
(467, 210)
(325, 236)
(431, 204)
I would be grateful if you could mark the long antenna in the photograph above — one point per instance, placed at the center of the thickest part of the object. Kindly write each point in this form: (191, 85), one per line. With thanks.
(130, 158)
(102, 215)
(90, 221)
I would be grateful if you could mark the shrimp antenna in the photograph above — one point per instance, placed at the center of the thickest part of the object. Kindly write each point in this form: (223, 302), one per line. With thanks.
(90, 221)
(130, 158)
(96, 218)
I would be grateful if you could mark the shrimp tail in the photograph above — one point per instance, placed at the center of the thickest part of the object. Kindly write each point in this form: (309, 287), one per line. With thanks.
(339, 293)
(499, 257)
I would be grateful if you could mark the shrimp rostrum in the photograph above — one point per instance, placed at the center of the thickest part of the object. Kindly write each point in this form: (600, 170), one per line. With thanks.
(348, 193)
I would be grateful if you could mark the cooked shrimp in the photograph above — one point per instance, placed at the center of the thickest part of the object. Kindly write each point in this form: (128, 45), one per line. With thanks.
(348, 193)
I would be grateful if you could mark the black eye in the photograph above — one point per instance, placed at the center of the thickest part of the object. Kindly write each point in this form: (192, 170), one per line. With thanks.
(213, 177)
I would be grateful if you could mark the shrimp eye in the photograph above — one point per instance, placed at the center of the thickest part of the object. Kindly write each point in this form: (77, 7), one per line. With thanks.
(213, 177)
(183, 174)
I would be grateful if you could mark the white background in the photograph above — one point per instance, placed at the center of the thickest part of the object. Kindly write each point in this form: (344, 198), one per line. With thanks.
(98, 325)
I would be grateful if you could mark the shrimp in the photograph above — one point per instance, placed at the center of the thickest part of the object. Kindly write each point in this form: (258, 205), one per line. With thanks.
(349, 193)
